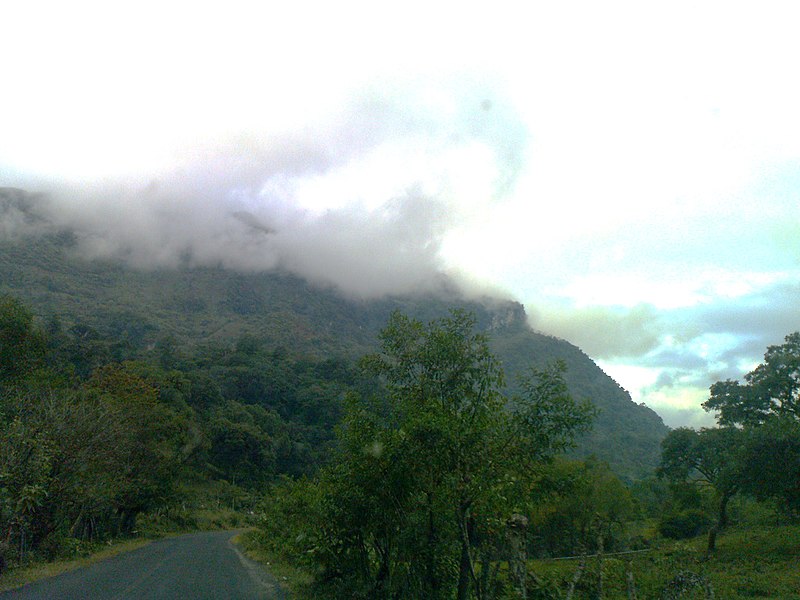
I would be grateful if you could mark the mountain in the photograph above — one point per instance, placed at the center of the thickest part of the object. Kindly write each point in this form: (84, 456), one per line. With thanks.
(193, 306)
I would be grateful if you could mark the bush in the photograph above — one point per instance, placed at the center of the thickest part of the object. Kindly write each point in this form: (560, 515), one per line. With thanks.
(684, 524)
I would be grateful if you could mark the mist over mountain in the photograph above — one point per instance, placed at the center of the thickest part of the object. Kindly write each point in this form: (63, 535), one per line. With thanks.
(190, 303)
(323, 201)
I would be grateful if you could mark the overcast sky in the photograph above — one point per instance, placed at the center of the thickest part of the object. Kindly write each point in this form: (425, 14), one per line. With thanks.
(628, 171)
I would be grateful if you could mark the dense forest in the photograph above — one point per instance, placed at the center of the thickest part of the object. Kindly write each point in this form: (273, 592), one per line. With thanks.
(409, 473)
(91, 438)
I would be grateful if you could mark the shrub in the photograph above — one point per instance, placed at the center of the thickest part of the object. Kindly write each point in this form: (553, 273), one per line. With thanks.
(684, 524)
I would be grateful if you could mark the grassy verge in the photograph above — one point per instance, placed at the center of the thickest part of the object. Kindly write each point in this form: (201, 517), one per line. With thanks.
(21, 576)
(752, 562)
(295, 580)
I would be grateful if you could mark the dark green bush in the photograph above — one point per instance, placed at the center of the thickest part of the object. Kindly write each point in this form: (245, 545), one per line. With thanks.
(684, 524)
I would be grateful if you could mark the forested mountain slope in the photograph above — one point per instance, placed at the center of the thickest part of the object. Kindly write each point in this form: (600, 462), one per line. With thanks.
(190, 307)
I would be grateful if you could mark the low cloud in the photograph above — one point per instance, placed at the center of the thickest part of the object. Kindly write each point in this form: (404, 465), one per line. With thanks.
(359, 200)
(684, 417)
(604, 332)
(20, 215)
(673, 356)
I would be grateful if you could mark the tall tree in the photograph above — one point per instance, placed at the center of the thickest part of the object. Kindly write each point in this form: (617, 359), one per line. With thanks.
(438, 461)
(710, 457)
(772, 466)
(766, 407)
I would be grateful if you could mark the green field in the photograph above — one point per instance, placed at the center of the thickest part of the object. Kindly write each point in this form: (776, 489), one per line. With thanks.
(750, 562)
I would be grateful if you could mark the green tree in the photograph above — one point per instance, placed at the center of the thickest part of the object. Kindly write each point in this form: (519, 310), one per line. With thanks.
(25, 458)
(148, 437)
(772, 466)
(583, 503)
(240, 448)
(766, 408)
(433, 467)
(76, 463)
(771, 389)
(709, 457)
(22, 344)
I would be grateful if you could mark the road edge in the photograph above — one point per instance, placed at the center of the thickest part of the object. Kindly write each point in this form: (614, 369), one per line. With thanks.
(17, 578)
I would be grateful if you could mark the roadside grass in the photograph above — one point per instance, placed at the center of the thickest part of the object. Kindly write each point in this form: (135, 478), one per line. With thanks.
(751, 562)
(20, 576)
(297, 581)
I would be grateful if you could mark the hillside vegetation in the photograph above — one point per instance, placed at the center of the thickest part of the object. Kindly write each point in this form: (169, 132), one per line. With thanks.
(187, 308)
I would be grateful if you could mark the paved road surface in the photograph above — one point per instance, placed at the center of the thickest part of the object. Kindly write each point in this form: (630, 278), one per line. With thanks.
(199, 565)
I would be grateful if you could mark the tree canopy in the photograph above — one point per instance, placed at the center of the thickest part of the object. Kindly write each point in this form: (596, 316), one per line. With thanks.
(709, 457)
(433, 464)
(22, 344)
(772, 389)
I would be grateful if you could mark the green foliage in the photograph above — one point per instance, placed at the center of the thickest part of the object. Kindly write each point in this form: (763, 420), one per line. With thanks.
(771, 389)
(650, 494)
(684, 524)
(771, 469)
(431, 468)
(102, 312)
(21, 343)
(76, 464)
(241, 446)
(90, 442)
(762, 419)
(581, 504)
(711, 457)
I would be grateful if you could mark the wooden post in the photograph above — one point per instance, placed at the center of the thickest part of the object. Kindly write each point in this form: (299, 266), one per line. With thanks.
(518, 560)
(630, 582)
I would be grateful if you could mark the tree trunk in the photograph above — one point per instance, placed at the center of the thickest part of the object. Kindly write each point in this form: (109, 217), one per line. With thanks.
(463, 570)
(722, 523)
(712, 541)
(576, 578)
(431, 578)
(631, 584)
(516, 527)
(383, 583)
(127, 520)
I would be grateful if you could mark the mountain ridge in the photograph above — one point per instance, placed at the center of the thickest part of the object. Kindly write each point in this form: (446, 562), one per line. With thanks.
(191, 306)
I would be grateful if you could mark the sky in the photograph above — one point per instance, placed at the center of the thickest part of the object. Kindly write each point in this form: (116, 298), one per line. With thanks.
(630, 172)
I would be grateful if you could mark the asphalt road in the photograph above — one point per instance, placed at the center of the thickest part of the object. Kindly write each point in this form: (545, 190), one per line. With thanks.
(198, 565)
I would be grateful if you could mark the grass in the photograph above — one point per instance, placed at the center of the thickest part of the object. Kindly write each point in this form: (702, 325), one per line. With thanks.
(16, 578)
(759, 562)
(296, 581)
(751, 562)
